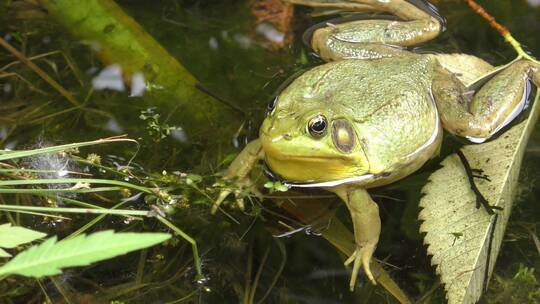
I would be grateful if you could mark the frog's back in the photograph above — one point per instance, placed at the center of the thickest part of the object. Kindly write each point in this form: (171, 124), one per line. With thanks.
(388, 101)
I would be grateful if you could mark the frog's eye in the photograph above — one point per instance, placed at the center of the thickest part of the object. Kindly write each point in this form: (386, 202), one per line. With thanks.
(317, 126)
(272, 104)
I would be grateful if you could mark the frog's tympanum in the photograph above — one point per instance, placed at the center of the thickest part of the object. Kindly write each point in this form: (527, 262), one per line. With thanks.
(375, 112)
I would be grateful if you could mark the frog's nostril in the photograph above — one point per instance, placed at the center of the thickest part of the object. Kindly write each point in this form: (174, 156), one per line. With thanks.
(285, 136)
(270, 127)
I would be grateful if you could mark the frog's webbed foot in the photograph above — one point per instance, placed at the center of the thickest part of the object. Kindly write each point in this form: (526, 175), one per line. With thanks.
(412, 22)
(236, 178)
(361, 257)
(367, 227)
(239, 188)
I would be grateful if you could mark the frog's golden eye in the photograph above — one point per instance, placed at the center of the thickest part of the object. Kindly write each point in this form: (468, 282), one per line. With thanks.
(343, 135)
(317, 126)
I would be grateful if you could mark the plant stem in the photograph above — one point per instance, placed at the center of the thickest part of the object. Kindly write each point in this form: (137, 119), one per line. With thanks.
(39, 71)
(24, 182)
(503, 30)
(14, 208)
(189, 240)
(94, 221)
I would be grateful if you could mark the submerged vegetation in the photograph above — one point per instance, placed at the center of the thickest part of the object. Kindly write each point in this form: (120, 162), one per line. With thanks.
(163, 180)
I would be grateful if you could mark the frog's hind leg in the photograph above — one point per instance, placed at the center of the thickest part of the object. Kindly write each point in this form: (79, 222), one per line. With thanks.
(367, 228)
(478, 114)
(412, 22)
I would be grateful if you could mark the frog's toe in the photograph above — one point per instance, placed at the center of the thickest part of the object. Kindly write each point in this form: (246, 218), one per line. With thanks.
(239, 188)
(354, 275)
(222, 195)
(361, 257)
(240, 204)
(351, 258)
(366, 259)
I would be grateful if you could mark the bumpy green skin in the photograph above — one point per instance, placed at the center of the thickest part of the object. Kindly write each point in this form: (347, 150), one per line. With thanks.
(388, 103)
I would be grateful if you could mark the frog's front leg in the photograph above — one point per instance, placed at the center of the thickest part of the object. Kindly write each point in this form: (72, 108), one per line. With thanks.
(239, 171)
(367, 228)
(478, 115)
(374, 38)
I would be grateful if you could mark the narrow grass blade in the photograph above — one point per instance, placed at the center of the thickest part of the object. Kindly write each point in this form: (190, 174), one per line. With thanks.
(60, 190)
(5, 155)
(16, 208)
(24, 182)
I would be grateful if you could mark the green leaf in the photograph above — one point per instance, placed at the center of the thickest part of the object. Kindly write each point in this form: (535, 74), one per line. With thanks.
(463, 240)
(13, 236)
(276, 186)
(49, 257)
(281, 187)
(4, 254)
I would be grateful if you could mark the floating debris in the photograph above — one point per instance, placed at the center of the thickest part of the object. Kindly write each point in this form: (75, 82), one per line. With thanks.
(273, 19)
(109, 78)
(138, 85)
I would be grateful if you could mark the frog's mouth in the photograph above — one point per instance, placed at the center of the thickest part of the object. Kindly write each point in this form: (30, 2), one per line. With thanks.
(314, 171)
(355, 179)
(310, 158)
(366, 178)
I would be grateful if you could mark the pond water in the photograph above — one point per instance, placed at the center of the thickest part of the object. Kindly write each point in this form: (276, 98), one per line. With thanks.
(242, 261)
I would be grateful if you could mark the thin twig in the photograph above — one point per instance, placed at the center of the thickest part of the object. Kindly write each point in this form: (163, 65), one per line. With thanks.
(503, 30)
(247, 275)
(258, 276)
(5, 67)
(278, 272)
(39, 71)
(140, 266)
(65, 294)
(28, 83)
(47, 298)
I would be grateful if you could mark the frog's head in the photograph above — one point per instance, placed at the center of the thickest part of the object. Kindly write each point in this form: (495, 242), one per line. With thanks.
(308, 140)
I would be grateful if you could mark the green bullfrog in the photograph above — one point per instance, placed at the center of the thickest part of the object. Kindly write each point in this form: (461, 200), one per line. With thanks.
(376, 111)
